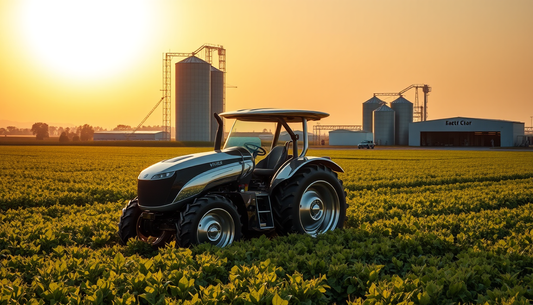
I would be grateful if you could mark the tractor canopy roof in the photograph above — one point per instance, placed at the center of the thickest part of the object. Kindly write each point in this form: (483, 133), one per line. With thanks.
(273, 115)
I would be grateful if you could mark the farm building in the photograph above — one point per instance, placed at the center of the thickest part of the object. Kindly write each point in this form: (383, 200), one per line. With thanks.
(461, 131)
(123, 135)
(344, 137)
(284, 136)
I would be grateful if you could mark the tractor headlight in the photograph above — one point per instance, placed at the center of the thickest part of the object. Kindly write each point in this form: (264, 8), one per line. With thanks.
(162, 175)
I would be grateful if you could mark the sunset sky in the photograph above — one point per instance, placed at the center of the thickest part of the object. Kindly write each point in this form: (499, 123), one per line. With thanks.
(100, 62)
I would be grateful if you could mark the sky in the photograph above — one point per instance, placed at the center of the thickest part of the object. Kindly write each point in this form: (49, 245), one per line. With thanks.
(100, 62)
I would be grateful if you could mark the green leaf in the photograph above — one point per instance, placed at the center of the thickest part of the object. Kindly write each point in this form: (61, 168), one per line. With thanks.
(277, 300)
(424, 298)
(373, 275)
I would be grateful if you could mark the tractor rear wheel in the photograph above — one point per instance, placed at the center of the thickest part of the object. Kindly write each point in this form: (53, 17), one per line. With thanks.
(132, 224)
(312, 202)
(209, 219)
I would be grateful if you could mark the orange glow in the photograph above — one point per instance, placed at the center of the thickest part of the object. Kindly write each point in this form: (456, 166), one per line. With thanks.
(99, 62)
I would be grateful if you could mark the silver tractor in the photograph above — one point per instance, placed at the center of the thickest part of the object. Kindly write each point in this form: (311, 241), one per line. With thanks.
(261, 182)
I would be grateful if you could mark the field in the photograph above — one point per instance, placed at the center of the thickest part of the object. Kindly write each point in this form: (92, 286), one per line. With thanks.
(423, 227)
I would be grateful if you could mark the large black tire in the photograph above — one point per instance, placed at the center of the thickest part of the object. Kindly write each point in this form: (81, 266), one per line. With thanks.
(311, 202)
(131, 224)
(212, 219)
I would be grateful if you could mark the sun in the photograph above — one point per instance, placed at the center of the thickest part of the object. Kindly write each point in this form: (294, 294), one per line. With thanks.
(85, 39)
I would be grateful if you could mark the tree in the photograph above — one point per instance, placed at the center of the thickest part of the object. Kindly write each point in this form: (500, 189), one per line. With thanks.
(123, 127)
(86, 132)
(52, 130)
(63, 137)
(40, 130)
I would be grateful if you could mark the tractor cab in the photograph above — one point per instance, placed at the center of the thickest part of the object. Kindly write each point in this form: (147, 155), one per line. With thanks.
(272, 136)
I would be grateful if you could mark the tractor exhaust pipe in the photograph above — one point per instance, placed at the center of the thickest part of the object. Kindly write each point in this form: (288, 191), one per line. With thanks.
(220, 131)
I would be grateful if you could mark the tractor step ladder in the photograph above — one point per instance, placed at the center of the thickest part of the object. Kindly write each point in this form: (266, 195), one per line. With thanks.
(264, 211)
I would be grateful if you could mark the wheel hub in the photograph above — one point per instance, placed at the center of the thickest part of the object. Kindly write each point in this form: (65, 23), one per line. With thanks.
(317, 209)
(214, 231)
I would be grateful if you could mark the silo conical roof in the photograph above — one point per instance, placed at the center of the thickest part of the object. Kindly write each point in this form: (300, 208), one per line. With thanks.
(374, 100)
(384, 108)
(401, 100)
(193, 60)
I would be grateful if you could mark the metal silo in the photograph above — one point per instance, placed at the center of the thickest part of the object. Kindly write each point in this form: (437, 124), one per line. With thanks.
(368, 107)
(193, 100)
(217, 98)
(383, 120)
(403, 110)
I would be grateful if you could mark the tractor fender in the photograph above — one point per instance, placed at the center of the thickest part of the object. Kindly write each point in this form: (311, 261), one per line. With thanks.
(292, 166)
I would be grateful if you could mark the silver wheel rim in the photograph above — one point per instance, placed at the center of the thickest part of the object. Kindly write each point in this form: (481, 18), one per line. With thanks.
(216, 227)
(319, 208)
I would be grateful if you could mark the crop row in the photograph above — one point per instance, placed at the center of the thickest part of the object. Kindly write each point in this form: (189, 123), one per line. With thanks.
(401, 169)
(44, 176)
(474, 197)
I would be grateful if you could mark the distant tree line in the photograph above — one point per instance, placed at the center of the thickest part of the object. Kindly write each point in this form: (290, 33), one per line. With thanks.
(12, 130)
(78, 133)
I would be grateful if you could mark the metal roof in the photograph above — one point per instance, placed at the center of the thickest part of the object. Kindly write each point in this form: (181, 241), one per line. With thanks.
(374, 100)
(401, 100)
(348, 131)
(467, 118)
(193, 60)
(272, 115)
(128, 132)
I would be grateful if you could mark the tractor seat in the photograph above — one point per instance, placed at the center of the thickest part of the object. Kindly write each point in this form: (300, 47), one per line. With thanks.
(270, 164)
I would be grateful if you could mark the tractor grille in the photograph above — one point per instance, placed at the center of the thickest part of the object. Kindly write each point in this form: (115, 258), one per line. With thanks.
(157, 192)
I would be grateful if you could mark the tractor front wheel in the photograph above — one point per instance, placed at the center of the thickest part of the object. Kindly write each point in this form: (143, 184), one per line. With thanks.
(132, 224)
(209, 219)
(312, 202)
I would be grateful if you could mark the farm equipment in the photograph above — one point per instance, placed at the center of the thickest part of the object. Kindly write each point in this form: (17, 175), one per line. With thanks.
(222, 196)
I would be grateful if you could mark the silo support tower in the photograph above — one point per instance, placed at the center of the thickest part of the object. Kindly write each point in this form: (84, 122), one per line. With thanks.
(167, 78)
(420, 112)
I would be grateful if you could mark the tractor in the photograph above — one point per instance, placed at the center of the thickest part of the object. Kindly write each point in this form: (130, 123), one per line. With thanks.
(259, 182)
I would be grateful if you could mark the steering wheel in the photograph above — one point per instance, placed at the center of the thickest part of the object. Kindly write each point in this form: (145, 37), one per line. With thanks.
(256, 150)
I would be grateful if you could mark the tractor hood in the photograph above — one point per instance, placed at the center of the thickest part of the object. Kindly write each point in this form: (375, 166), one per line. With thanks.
(166, 185)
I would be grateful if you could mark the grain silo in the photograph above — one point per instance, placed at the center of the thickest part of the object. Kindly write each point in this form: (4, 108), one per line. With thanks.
(383, 125)
(403, 115)
(217, 98)
(193, 100)
(368, 107)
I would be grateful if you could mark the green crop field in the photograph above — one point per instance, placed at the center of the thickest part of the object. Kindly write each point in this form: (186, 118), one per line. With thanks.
(423, 227)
